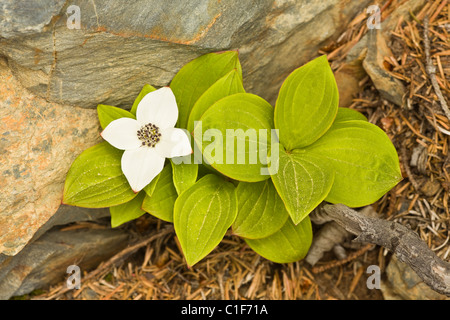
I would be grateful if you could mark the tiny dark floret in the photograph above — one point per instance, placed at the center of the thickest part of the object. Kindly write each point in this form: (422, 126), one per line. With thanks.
(149, 135)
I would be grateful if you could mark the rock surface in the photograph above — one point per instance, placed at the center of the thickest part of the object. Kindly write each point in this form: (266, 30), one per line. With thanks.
(38, 142)
(404, 284)
(117, 49)
(120, 47)
(20, 17)
(45, 261)
(67, 214)
(24, 272)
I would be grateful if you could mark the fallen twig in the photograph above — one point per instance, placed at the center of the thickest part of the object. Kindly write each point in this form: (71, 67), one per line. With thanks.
(405, 163)
(431, 69)
(403, 242)
(329, 237)
(336, 263)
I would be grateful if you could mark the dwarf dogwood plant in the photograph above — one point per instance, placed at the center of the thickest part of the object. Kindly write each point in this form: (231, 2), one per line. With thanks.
(207, 156)
(149, 139)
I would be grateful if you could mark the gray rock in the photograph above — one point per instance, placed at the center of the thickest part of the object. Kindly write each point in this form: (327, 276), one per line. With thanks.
(18, 17)
(68, 214)
(38, 143)
(45, 261)
(63, 216)
(120, 47)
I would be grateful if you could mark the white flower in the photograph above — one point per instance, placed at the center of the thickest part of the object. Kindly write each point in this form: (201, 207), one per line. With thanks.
(150, 139)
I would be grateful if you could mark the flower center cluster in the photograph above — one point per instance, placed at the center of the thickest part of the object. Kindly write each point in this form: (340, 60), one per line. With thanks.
(149, 135)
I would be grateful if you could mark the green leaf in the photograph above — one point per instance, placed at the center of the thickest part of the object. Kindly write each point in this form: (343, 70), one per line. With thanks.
(95, 179)
(229, 84)
(160, 203)
(302, 180)
(307, 104)
(107, 114)
(364, 160)
(202, 215)
(128, 211)
(184, 174)
(146, 89)
(203, 170)
(197, 76)
(291, 243)
(261, 212)
(233, 126)
(150, 188)
(345, 114)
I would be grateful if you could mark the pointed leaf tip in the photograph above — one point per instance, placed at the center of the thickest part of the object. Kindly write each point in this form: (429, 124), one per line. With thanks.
(202, 215)
(309, 93)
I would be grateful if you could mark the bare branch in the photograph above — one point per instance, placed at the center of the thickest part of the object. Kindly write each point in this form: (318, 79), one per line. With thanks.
(403, 242)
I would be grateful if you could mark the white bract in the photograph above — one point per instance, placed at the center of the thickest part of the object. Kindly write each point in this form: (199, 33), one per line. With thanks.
(149, 139)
